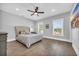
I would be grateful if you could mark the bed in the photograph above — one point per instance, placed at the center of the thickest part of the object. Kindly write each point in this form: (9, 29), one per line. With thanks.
(23, 35)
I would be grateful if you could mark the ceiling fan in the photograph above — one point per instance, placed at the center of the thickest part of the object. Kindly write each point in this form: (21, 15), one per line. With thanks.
(35, 11)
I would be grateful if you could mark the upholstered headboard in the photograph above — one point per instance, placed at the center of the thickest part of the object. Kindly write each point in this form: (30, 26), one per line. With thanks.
(19, 29)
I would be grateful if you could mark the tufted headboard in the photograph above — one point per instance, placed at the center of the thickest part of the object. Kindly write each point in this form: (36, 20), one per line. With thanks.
(19, 29)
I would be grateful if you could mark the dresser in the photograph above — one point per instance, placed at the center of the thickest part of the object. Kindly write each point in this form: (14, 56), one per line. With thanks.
(3, 44)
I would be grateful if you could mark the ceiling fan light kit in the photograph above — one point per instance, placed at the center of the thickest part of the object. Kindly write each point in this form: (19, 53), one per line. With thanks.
(35, 12)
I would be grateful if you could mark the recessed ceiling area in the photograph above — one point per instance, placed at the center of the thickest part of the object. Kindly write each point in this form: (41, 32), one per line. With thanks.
(50, 9)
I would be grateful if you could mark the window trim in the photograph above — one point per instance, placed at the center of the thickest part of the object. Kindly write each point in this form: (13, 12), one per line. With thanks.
(62, 27)
(38, 27)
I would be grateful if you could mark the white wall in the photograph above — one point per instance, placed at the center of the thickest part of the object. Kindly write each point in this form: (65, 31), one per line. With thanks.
(9, 21)
(48, 32)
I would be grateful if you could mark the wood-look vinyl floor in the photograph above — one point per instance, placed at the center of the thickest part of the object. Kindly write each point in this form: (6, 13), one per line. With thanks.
(46, 47)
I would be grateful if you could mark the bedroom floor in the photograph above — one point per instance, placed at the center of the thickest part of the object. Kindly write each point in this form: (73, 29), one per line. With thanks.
(46, 47)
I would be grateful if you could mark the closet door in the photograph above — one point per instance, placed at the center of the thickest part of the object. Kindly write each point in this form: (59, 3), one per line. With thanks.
(75, 39)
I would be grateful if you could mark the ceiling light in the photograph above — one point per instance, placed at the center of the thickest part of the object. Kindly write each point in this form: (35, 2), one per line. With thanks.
(17, 9)
(53, 10)
(35, 13)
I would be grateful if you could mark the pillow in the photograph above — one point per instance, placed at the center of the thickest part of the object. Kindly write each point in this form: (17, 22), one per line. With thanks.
(27, 33)
(21, 32)
(33, 32)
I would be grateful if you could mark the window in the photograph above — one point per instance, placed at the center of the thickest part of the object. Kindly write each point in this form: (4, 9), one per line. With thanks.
(40, 27)
(58, 27)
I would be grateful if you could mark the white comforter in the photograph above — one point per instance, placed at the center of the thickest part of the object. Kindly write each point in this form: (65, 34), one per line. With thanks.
(29, 39)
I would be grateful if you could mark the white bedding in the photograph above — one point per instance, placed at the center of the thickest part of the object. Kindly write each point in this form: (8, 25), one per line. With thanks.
(29, 39)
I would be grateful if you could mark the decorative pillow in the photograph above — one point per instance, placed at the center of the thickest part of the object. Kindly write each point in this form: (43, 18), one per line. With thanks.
(27, 33)
(33, 32)
(21, 32)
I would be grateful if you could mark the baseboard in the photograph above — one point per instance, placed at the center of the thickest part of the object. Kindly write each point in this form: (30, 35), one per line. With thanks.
(57, 39)
(9, 40)
(76, 50)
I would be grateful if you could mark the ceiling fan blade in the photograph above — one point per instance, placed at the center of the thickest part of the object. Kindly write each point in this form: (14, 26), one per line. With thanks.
(40, 12)
(32, 14)
(30, 10)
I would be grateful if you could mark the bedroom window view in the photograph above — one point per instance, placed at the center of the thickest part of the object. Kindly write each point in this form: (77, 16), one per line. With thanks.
(58, 27)
(40, 27)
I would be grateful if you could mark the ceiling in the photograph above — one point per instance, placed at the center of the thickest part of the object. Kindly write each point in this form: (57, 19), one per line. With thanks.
(50, 9)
